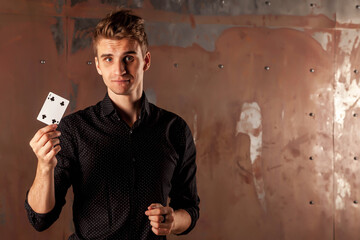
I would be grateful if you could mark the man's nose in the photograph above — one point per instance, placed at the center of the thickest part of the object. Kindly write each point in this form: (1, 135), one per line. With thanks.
(120, 68)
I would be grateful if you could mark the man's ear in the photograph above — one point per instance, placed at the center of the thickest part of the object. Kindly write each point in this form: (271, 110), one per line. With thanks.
(147, 60)
(97, 66)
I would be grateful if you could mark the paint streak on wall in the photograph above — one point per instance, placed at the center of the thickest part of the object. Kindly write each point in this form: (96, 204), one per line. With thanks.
(250, 124)
(343, 189)
(347, 90)
(323, 38)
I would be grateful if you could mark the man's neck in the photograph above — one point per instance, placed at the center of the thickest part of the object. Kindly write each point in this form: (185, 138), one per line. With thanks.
(128, 106)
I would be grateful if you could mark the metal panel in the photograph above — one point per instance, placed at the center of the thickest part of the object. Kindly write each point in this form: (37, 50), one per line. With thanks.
(32, 64)
(348, 12)
(268, 88)
(87, 86)
(248, 7)
(252, 186)
(347, 109)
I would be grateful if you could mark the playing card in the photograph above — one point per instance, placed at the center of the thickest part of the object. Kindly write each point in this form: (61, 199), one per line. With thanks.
(53, 109)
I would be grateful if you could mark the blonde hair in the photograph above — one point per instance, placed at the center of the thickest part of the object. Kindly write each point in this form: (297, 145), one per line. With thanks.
(121, 24)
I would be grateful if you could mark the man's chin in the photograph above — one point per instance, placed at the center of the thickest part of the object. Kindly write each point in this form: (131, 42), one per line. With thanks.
(122, 93)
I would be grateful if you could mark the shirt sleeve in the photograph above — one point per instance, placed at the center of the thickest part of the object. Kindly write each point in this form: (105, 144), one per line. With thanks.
(62, 177)
(183, 194)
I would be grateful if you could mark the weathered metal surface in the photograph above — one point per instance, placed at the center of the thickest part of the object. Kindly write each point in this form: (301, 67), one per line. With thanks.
(269, 90)
(346, 135)
(254, 131)
(25, 82)
(247, 7)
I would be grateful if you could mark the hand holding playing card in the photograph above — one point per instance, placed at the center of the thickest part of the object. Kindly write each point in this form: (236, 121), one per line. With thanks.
(45, 142)
(53, 109)
(45, 145)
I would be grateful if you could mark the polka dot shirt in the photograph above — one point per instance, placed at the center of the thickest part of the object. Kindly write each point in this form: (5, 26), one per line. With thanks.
(117, 171)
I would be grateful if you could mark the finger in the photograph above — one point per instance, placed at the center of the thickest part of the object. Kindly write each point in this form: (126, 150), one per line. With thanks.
(155, 205)
(160, 231)
(49, 145)
(47, 136)
(156, 218)
(53, 152)
(161, 211)
(154, 209)
(158, 211)
(42, 131)
(158, 224)
(38, 147)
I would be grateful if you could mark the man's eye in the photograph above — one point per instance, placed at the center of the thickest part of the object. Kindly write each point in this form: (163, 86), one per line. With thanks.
(129, 58)
(108, 59)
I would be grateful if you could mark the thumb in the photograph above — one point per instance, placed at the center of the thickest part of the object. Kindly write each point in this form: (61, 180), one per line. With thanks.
(155, 205)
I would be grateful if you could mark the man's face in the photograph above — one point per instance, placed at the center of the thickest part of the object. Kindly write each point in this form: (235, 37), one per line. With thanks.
(121, 65)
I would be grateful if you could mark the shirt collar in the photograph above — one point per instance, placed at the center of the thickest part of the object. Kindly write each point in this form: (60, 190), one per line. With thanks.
(108, 106)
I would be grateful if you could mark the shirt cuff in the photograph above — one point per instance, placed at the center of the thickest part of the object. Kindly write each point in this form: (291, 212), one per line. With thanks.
(40, 221)
(194, 214)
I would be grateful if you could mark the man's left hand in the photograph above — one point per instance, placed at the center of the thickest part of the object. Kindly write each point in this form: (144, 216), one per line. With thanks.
(161, 218)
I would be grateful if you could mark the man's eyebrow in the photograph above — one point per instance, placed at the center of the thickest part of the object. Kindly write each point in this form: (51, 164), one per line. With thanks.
(130, 52)
(106, 55)
(110, 54)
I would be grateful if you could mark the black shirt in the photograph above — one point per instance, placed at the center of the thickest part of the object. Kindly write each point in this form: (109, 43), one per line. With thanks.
(117, 171)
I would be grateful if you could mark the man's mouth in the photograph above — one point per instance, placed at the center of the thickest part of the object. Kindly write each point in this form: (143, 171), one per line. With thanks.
(121, 80)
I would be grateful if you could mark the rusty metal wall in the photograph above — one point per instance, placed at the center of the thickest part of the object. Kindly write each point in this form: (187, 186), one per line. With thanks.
(270, 90)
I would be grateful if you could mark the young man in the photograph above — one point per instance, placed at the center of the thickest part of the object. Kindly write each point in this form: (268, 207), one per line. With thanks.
(123, 157)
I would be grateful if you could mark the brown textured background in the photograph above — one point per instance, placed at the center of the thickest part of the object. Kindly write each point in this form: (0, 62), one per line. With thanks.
(278, 149)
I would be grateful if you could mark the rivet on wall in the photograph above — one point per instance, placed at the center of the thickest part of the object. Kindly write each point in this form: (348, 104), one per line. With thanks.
(89, 62)
(42, 61)
(355, 158)
(311, 158)
(357, 6)
(355, 115)
(311, 202)
(355, 202)
(221, 66)
(312, 4)
(312, 114)
(176, 65)
(267, 68)
(268, 3)
(356, 71)
(312, 70)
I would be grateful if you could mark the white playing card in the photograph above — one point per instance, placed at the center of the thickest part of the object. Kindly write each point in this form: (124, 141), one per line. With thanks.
(53, 109)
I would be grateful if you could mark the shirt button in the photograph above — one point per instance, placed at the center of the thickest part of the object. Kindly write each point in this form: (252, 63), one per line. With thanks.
(130, 131)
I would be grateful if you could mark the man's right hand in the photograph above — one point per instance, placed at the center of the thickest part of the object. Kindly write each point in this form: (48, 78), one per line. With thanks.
(45, 145)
